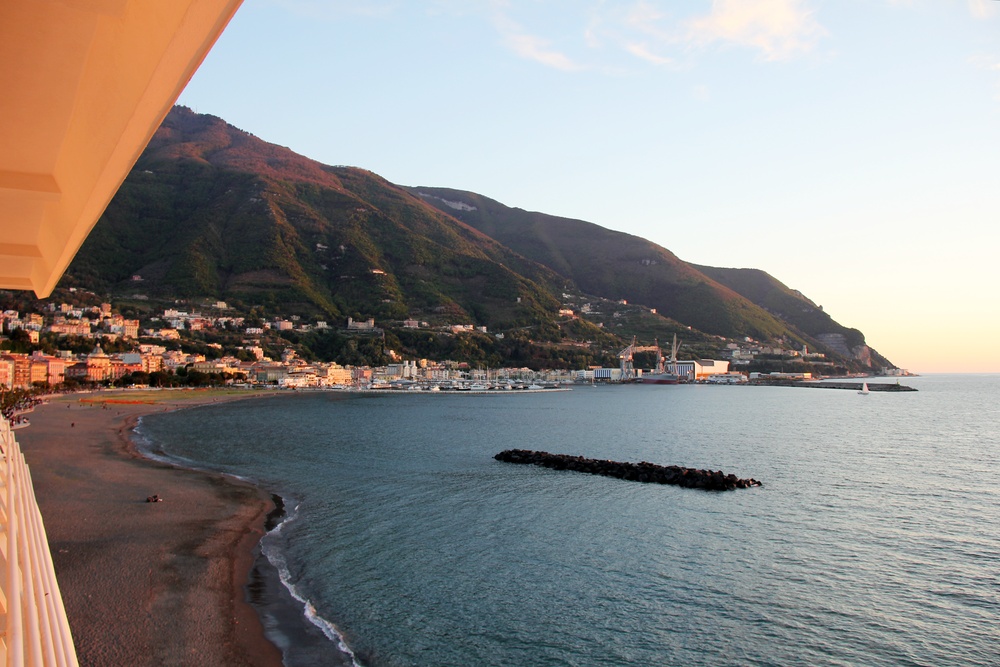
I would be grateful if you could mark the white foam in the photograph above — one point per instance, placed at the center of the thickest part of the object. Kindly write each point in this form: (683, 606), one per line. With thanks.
(273, 553)
(277, 559)
(147, 448)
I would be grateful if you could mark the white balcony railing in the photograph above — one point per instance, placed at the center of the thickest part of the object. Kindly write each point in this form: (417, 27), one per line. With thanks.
(34, 631)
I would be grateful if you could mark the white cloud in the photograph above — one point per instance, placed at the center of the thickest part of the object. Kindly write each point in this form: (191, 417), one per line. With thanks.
(640, 29)
(646, 17)
(643, 52)
(530, 46)
(983, 9)
(658, 32)
(779, 29)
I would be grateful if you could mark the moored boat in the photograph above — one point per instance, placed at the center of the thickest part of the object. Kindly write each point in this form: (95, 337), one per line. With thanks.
(660, 378)
(664, 374)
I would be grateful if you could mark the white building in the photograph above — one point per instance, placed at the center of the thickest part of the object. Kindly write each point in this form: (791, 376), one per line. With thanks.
(700, 369)
(367, 325)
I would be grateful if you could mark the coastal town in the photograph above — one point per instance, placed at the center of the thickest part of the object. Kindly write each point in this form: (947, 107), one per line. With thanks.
(98, 346)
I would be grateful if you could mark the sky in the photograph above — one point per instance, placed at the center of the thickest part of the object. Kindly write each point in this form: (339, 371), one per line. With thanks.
(849, 148)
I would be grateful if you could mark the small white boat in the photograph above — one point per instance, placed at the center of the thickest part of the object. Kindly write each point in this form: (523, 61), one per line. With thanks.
(864, 389)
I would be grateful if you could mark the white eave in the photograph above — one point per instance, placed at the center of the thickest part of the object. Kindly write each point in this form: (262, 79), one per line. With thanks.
(83, 87)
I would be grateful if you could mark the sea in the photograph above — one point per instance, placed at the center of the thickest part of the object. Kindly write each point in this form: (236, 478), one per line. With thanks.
(874, 540)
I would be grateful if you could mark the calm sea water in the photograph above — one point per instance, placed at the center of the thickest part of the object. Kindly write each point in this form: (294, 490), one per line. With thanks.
(875, 539)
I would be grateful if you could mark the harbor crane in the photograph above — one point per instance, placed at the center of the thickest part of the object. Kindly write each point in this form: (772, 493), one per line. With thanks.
(674, 348)
(626, 356)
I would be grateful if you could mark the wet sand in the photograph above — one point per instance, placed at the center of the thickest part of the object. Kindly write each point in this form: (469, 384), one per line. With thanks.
(145, 583)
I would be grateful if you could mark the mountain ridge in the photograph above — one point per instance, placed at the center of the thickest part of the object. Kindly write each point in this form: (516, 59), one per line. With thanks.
(211, 210)
(679, 290)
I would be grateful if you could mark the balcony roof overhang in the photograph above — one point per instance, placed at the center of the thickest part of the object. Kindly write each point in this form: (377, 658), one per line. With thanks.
(84, 85)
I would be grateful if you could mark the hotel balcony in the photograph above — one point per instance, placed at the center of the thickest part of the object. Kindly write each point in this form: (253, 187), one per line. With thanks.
(85, 84)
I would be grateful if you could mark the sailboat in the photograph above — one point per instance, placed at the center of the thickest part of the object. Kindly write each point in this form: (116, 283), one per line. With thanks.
(864, 389)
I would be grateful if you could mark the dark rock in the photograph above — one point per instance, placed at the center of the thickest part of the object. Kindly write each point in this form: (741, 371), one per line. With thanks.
(642, 472)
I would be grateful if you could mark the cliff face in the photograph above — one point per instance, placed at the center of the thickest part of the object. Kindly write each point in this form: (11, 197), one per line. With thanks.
(860, 352)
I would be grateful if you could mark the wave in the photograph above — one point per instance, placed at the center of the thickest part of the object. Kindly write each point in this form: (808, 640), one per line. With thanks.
(276, 557)
(269, 548)
(149, 449)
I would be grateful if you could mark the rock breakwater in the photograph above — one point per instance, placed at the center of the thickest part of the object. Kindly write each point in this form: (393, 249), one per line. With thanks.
(689, 478)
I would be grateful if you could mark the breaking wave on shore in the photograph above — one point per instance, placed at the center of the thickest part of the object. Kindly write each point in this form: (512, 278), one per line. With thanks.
(286, 614)
(277, 558)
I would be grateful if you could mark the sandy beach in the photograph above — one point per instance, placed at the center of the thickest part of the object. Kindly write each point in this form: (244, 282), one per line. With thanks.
(145, 583)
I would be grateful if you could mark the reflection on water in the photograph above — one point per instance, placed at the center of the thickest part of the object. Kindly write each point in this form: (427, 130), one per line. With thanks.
(873, 540)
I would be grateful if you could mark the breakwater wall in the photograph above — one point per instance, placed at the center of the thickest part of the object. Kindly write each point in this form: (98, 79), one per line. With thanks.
(854, 386)
(814, 384)
(689, 478)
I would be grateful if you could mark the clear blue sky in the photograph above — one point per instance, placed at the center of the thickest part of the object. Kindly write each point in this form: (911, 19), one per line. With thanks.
(850, 148)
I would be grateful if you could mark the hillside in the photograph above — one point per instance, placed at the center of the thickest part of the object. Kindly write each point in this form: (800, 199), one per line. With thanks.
(212, 212)
(614, 265)
(726, 302)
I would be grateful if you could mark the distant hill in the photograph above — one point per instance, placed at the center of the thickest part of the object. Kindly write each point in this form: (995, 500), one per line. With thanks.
(727, 302)
(612, 264)
(211, 211)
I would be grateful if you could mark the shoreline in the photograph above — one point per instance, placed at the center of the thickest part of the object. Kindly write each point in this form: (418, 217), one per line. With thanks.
(147, 583)
(289, 621)
(300, 640)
